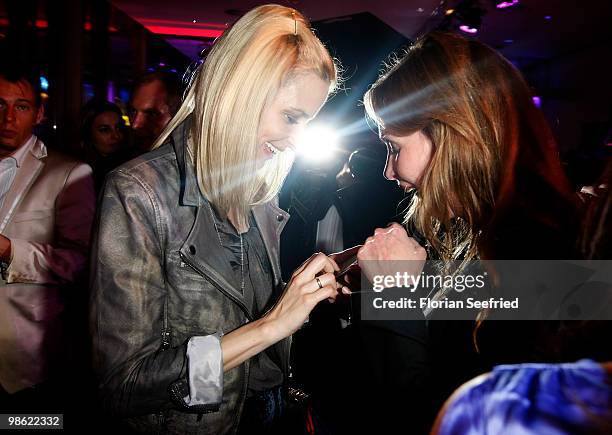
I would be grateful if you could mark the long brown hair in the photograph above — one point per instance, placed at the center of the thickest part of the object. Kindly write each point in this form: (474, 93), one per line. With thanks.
(492, 146)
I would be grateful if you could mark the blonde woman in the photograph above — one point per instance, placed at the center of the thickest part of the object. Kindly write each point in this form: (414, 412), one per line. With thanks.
(189, 317)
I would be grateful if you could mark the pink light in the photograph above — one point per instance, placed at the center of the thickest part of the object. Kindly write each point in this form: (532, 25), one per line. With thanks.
(183, 31)
(177, 23)
(468, 29)
(182, 28)
(503, 5)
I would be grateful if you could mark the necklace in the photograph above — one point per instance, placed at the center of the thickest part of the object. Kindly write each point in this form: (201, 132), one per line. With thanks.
(212, 215)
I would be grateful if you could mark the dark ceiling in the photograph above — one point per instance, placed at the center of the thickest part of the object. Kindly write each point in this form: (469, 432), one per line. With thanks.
(521, 32)
(563, 47)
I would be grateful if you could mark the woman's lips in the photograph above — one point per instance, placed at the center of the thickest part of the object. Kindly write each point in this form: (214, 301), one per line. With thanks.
(270, 150)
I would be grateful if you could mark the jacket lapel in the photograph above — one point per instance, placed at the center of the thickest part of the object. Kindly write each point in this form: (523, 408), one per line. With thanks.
(202, 250)
(26, 175)
(271, 220)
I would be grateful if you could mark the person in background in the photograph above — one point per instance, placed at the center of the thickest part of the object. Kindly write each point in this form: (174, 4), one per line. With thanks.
(155, 99)
(104, 145)
(189, 317)
(46, 211)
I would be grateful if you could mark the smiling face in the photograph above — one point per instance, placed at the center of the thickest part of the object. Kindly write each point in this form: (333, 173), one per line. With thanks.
(296, 103)
(407, 158)
(18, 114)
(107, 133)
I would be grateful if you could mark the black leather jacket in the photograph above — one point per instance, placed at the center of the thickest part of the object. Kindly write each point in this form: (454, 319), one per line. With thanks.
(159, 279)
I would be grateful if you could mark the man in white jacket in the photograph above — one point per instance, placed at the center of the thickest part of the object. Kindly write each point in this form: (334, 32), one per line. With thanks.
(47, 206)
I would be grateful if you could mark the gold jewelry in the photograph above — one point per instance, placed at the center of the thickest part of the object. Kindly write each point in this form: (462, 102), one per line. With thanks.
(294, 23)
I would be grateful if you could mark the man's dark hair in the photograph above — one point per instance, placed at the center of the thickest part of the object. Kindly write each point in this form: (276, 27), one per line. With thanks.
(172, 82)
(15, 72)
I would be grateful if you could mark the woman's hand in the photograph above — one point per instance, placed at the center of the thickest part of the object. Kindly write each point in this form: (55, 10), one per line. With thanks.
(391, 250)
(312, 282)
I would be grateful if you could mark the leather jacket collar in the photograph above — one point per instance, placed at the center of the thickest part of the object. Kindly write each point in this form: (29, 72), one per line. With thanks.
(201, 248)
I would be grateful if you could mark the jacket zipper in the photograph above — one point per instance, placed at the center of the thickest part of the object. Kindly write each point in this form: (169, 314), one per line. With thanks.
(221, 289)
(165, 330)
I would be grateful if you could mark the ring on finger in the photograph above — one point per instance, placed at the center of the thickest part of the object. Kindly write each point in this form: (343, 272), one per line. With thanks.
(319, 282)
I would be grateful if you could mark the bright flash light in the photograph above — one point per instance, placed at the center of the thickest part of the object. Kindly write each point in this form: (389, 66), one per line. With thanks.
(317, 143)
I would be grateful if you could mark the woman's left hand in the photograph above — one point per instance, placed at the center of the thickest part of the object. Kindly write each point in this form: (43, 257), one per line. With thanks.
(391, 250)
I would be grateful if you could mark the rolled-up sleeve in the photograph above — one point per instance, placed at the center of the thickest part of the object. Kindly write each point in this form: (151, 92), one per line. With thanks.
(204, 371)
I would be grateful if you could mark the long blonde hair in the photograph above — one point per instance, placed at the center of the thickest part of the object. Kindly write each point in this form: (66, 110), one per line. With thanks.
(493, 149)
(245, 69)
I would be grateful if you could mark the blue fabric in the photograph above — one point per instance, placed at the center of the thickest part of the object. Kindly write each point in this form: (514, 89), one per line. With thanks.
(262, 412)
(533, 399)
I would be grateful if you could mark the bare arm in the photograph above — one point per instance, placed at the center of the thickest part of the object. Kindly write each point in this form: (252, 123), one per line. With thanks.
(290, 312)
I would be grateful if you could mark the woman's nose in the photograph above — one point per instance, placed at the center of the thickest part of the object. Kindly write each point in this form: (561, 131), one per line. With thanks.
(117, 135)
(389, 172)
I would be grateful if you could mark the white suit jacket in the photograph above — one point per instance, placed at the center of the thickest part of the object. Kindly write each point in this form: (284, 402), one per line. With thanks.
(47, 214)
